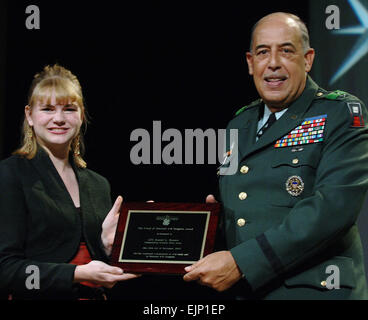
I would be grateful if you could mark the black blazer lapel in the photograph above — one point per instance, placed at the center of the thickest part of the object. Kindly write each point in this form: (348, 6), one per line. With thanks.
(92, 234)
(53, 184)
(86, 200)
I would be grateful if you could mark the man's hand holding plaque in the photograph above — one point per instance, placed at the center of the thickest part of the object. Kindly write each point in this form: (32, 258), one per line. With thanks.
(218, 270)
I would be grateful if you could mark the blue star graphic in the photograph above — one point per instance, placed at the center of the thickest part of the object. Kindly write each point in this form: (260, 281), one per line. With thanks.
(360, 49)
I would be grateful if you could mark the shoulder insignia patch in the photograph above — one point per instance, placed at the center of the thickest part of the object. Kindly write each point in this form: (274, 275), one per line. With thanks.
(355, 109)
(335, 95)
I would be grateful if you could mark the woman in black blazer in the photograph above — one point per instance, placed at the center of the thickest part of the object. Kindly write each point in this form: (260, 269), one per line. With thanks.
(56, 221)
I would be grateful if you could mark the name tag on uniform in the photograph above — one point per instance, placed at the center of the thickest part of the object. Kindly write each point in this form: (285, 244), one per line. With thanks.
(310, 131)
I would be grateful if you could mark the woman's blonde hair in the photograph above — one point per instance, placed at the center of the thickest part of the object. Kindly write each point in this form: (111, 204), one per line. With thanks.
(67, 90)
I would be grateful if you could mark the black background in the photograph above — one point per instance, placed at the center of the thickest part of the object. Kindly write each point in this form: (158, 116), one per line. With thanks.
(178, 62)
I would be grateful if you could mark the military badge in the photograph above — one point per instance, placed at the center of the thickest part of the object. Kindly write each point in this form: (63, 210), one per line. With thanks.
(310, 131)
(356, 115)
(295, 186)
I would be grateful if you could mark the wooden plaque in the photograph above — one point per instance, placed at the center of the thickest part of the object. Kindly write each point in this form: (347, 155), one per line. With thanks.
(164, 237)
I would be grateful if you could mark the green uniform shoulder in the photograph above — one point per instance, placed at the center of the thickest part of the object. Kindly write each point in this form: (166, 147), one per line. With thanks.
(351, 108)
(337, 95)
(253, 104)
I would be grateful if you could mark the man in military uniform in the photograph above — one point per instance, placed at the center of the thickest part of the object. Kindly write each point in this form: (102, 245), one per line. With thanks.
(290, 211)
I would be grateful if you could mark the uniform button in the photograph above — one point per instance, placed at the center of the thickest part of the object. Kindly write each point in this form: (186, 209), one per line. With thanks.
(244, 170)
(295, 161)
(324, 284)
(241, 222)
(243, 196)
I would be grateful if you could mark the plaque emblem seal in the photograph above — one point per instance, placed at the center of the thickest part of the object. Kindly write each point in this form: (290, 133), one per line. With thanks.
(295, 186)
(166, 221)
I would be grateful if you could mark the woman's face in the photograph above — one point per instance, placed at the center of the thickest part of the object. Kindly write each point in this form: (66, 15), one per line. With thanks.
(54, 124)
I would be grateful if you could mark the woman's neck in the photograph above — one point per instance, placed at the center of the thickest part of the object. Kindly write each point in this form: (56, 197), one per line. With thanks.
(59, 157)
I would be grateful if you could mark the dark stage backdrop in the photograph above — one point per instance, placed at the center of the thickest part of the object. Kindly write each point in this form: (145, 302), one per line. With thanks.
(178, 62)
(342, 59)
(3, 25)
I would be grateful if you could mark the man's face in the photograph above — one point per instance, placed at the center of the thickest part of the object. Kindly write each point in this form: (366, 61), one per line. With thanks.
(278, 62)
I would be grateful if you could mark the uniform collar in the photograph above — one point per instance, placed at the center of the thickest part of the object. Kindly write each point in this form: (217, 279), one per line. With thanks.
(267, 112)
(287, 122)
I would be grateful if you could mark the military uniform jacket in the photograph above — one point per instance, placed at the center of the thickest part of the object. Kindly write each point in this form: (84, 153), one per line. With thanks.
(39, 225)
(291, 208)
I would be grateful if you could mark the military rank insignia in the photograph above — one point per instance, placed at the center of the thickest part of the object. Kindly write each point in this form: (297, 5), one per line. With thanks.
(310, 131)
(295, 186)
(356, 114)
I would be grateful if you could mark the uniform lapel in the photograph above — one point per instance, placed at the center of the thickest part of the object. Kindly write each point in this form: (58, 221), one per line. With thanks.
(247, 133)
(290, 120)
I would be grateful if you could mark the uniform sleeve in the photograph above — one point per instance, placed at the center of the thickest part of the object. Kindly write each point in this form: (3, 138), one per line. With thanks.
(318, 221)
(17, 273)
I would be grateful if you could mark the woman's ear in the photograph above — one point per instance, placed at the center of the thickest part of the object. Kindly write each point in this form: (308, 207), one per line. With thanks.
(28, 113)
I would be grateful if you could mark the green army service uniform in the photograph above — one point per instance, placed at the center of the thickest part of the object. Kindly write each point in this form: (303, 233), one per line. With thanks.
(290, 210)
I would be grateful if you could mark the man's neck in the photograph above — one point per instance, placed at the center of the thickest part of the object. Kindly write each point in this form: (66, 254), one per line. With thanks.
(276, 109)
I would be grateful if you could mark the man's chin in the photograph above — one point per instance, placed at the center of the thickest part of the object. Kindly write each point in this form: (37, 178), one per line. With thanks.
(275, 102)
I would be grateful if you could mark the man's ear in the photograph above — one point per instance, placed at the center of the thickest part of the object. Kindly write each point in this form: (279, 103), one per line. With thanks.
(250, 62)
(28, 112)
(309, 58)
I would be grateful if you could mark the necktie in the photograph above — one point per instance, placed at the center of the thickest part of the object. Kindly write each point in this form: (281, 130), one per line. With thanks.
(271, 120)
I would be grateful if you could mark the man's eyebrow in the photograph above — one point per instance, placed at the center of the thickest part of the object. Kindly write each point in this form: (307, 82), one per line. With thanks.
(285, 44)
(262, 46)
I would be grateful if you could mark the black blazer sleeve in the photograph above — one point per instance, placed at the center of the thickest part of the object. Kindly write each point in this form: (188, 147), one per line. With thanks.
(40, 228)
(13, 233)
